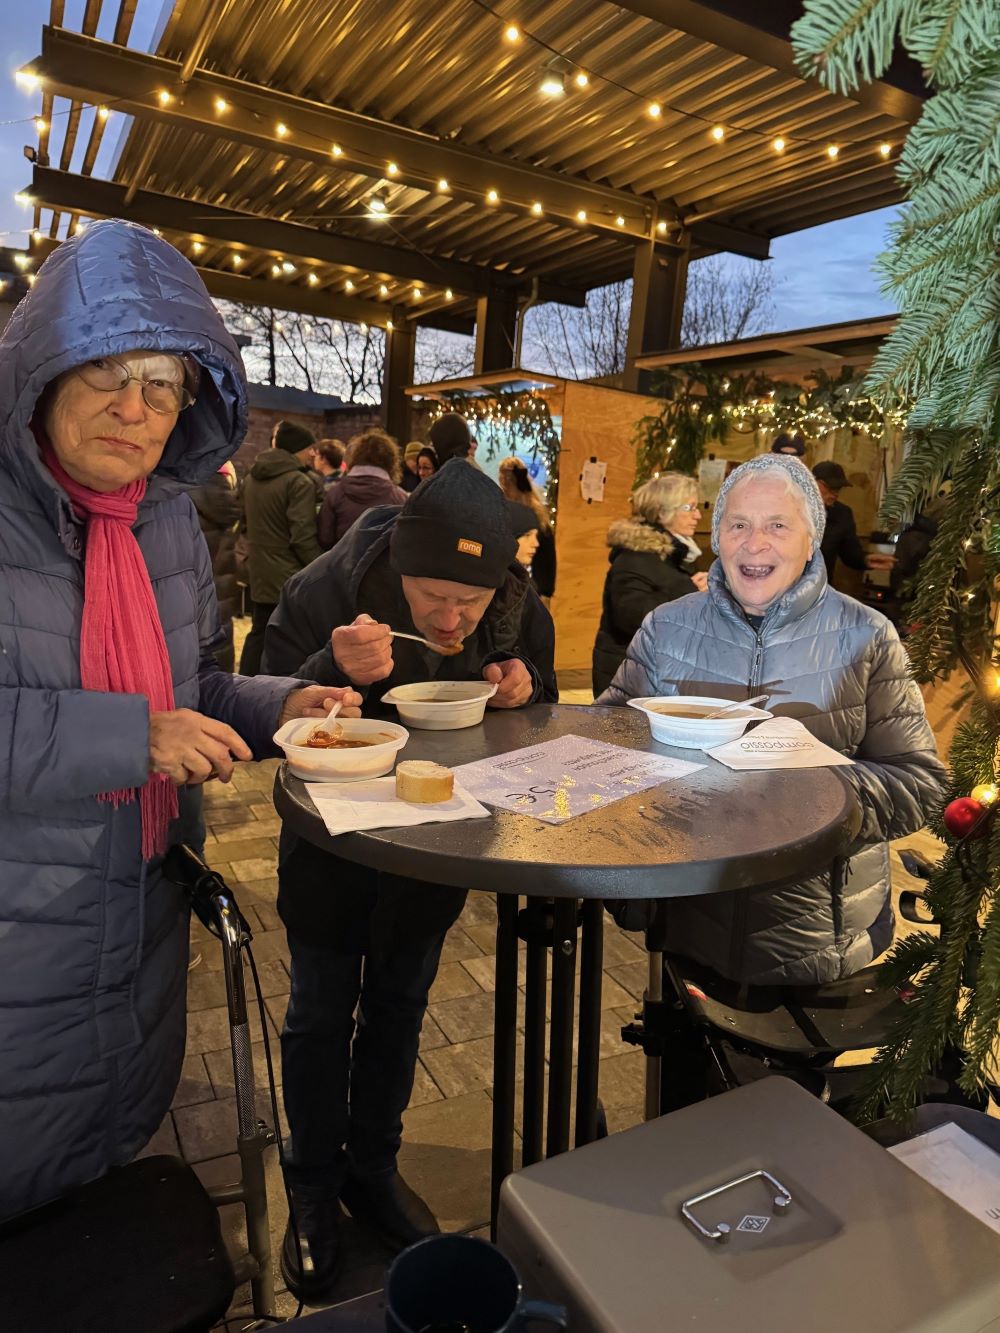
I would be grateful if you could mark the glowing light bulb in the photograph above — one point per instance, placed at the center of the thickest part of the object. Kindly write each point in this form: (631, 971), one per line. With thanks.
(661, 226)
(536, 208)
(163, 97)
(281, 129)
(103, 113)
(392, 169)
(313, 280)
(417, 293)
(512, 32)
(337, 151)
(22, 199)
(287, 266)
(553, 85)
(388, 325)
(581, 215)
(833, 151)
(275, 270)
(22, 261)
(41, 125)
(620, 221)
(778, 144)
(985, 793)
(237, 261)
(383, 290)
(581, 79)
(443, 185)
(27, 79)
(348, 285)
(448, 294)
(221, 104)
(885, 149)
(31, 279)
(197, 247)
(718, 133)
(36, 235)
(492, 197)
(655, 110)
(363, 327)
(157, 232)
(377, 206)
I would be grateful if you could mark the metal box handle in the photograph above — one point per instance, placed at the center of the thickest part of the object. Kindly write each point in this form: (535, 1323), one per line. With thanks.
(780, 1201)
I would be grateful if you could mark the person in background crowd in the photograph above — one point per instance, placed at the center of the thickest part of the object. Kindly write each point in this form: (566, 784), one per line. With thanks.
(372, 478)
(771, 622)
(517, 486)
(364, 942)
(840, 540)
(279, 517)
(652, 559)
(427, 462)
(411, 473)
(120, 387)
(328, 460)
(524, 526)
(793, 445)
(912, 546)
(451, 438)
(218, 504)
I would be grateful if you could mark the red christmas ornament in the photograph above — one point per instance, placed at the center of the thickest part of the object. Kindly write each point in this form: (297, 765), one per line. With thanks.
(960, 816)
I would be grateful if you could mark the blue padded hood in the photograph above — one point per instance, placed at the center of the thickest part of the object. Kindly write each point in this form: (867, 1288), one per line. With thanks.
(114, 288)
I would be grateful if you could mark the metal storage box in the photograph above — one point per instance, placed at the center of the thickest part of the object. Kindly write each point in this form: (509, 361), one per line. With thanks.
(817, 1229)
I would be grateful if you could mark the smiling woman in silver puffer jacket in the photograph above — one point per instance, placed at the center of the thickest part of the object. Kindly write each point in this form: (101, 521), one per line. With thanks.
(771, 622)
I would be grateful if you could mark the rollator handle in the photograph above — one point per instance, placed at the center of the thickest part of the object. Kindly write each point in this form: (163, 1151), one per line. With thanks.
(184, 867)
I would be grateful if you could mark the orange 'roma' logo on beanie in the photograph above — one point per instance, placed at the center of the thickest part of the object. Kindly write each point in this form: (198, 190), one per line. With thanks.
(468, 547)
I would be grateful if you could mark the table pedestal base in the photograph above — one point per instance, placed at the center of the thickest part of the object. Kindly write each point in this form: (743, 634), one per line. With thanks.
(559, 926)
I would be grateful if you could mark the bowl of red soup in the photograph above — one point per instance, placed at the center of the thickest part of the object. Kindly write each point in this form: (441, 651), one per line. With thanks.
(348, 749)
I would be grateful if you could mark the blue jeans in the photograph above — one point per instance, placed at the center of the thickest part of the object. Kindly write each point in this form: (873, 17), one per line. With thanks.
(346, 1080)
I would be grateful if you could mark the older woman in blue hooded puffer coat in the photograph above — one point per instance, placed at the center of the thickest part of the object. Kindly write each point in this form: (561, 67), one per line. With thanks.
(772, 623)
(119, 386)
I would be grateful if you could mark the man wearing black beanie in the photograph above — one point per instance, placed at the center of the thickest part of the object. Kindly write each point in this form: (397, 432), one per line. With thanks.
(443, 566)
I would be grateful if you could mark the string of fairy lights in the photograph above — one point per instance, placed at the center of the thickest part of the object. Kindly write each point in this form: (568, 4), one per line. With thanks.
(558, 76)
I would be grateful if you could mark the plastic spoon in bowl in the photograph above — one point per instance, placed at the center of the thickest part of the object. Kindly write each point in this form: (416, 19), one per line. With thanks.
(729, 708)
(320, 729)
(445, 649)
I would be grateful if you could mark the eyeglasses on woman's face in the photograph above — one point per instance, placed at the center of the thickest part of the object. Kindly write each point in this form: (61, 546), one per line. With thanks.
(688, 508)
(163, 391)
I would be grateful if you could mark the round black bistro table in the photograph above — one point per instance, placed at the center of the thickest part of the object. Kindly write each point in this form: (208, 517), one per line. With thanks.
(713, 831)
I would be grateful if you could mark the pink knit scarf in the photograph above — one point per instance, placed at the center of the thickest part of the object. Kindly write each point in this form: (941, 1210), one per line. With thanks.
(122, 648)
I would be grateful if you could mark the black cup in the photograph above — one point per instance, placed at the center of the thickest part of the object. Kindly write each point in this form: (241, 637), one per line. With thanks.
(455, 1284)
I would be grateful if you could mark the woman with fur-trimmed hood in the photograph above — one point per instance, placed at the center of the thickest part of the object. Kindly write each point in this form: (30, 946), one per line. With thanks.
(652, 558)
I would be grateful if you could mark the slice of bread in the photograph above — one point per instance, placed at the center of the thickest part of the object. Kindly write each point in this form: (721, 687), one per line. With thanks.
(424, 783)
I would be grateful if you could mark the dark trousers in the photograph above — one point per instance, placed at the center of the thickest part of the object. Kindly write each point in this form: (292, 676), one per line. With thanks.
(352, 1030)
(253, 648)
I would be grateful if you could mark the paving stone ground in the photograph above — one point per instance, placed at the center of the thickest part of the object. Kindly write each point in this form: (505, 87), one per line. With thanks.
(445, 1153)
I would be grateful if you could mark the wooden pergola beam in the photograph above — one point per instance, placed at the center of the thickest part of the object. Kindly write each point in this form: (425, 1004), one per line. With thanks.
(739, 26)
(87, 69)
(248, 232)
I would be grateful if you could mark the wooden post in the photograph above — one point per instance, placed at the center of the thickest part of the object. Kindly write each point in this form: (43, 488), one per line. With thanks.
(397, 376)
(659, 284)
(496, 327)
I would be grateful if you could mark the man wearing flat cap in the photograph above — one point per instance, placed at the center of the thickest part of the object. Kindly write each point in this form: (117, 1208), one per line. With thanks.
(840, 540)
(442, 566)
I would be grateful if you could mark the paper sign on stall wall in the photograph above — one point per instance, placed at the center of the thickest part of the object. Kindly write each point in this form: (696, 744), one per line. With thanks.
(559, 779)
(711, 475)
(781, 742)
(592, 480)
(959, 1165)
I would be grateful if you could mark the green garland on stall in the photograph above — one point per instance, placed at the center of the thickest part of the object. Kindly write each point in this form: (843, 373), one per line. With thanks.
(702, 404)
(943, 271)
(510, 421)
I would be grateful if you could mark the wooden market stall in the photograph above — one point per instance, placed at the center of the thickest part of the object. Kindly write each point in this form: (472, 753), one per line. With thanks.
(595, 424)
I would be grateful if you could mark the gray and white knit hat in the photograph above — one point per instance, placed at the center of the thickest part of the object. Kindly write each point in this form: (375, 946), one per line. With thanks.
(797, 472)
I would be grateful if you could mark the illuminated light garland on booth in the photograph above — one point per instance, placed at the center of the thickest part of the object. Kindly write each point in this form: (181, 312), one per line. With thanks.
(509, 421)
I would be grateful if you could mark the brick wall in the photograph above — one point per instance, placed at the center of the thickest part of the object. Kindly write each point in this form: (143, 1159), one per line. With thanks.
(335, 424)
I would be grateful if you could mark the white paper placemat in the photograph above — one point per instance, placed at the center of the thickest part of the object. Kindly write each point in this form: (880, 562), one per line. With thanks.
(559, 779)
(959, 1165)
(352, 807)
(781, 742)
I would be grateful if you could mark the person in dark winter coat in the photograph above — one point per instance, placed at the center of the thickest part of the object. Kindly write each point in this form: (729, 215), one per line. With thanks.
(119, 387)
(652, 561)
(840, 538)
(771, 620)
(443, 567)
(218, 504)
(279, 512)
(372, 479)
(411, 478)
(516, 484)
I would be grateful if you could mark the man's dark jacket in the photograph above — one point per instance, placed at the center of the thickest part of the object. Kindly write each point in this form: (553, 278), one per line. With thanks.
(355, 578)
(840, 540)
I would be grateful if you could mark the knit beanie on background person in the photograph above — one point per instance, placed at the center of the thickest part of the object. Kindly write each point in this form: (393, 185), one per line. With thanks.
(785, 441)
(523, 518)
(455, 526)
(412, 450)
(799, 475)
(450, 437)
(293, 438)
